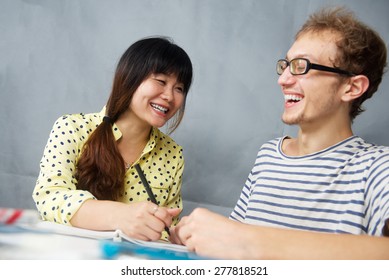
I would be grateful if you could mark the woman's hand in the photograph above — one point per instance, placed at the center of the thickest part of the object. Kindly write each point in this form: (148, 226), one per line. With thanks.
(141, 220)
(144, 220)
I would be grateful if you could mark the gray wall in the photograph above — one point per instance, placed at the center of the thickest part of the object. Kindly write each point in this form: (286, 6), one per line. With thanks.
(58, 57)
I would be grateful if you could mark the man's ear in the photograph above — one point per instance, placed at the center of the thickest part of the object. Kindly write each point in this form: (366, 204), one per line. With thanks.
(356, 86)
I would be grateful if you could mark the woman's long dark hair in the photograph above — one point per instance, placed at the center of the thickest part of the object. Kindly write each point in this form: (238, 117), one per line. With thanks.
(101, 168)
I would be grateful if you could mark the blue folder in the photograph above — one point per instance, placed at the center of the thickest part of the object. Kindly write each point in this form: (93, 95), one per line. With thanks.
(112, 249)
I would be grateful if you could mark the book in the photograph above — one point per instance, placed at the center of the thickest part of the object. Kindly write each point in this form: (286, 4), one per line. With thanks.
(25, 229)
(115, 236)
(14, 216)
(115, 243)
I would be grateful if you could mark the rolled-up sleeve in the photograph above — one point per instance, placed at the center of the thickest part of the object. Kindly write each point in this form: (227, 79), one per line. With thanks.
(55, 193)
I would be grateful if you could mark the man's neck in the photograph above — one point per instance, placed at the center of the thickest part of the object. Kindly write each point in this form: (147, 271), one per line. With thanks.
(309, 141)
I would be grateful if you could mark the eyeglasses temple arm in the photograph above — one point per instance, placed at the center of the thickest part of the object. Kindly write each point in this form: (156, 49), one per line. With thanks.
(330, 69)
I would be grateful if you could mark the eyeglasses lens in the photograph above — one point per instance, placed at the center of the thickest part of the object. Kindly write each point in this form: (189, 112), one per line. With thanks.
(298, 66)
(281, 66)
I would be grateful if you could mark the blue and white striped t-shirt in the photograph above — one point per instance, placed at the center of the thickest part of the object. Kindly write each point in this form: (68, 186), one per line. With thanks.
(342, 189)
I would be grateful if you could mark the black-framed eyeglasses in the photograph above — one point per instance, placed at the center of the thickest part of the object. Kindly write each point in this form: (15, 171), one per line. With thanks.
(301, 66)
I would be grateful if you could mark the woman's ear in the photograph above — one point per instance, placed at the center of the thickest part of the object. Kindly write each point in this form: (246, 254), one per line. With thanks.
(356, 86)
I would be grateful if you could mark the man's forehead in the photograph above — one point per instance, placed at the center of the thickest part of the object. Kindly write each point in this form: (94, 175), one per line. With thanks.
(316, 46)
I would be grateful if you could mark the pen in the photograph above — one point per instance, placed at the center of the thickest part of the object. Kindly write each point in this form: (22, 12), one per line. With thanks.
(148, 189)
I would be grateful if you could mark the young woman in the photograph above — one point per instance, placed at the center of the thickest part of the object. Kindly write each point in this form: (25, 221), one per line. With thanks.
(88, 176)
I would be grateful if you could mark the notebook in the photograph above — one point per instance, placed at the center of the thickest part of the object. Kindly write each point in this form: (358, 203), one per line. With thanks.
(116, 236)
(116, 243)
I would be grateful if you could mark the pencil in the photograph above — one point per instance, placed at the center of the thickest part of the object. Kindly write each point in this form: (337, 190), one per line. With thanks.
(148, 189)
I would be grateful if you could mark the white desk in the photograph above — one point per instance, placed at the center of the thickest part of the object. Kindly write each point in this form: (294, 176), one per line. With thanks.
(24, 236)
(23, 245)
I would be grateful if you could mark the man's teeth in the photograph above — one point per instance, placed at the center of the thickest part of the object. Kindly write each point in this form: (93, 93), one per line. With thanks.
(289, 97)
(159, 108)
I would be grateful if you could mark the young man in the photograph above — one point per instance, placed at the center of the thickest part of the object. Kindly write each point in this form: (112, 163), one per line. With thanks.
(325, 193)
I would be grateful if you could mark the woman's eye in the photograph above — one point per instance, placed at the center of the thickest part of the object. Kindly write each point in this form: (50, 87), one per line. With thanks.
(180, 89)
(162, 82)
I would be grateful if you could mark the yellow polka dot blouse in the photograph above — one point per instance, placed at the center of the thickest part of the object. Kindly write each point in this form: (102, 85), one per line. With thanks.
(56, 195)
